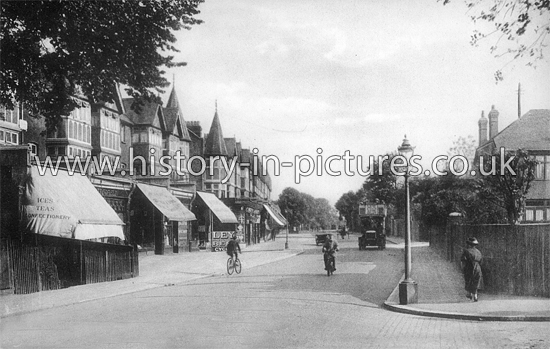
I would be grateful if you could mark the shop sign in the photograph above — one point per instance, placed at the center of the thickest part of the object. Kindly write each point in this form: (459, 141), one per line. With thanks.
(105, 192)
(221, 238)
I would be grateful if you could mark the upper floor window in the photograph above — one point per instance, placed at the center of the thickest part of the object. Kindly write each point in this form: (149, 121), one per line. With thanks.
(9, 115)
(542, 170)
(83, 112)
(123, 134)
(9, 137)
(79, 131)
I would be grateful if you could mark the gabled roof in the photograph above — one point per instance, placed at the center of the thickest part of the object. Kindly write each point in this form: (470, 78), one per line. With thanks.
(117, 104)
(215, 144)
(174, 120)
(530, 132)
(150, 114)
(175, 123)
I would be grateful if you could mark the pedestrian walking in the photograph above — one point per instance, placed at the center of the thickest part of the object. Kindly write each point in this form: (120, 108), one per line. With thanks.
(471, 268)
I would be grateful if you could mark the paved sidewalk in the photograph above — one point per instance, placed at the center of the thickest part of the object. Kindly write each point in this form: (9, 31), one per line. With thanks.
(441, 293)
(154, 271)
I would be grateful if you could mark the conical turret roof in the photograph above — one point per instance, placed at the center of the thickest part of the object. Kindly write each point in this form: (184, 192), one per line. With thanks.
(215, 144)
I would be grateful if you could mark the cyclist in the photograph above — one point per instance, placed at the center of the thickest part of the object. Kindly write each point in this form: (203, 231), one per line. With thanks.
(233, 246)
(329, 247)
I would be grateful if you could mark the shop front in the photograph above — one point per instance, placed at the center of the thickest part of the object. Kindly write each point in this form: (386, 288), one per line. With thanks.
(273, 222)
(215, 223)
(68, 206)
(157, 218)
(116, 192)
(248, 212)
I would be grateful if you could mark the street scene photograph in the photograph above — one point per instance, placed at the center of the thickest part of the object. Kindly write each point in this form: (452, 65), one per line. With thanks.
(275, 174)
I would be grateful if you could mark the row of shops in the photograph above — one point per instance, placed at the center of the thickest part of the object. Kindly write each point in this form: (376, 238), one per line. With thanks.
(154, 218)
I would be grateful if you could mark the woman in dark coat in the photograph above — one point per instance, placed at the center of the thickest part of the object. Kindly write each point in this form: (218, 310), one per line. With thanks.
(471, 267)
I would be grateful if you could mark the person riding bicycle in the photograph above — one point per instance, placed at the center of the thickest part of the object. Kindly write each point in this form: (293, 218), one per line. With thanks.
(329, 247)
(233, 246)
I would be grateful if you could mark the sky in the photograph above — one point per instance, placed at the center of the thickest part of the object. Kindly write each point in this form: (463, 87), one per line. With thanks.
(294, 78)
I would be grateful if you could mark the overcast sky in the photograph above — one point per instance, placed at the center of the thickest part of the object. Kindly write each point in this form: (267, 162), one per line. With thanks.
(293, 76)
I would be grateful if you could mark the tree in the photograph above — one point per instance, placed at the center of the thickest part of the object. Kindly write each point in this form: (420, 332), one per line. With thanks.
(465, 147)
(346, 205)
(440, 196)
(52, 49)
(292, 205)
(303, 209)
(383, 186)
(508, 187)
(523, 24)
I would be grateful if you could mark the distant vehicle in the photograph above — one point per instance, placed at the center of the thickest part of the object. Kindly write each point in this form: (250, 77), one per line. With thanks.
(321, 238)
(373, 223)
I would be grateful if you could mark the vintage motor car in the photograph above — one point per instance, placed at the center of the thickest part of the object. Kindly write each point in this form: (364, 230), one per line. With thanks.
(321, 238)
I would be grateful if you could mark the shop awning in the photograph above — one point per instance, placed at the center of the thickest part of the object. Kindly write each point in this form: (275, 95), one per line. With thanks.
(67, 206)
(224, 214)
(274, 215)
(166, 203)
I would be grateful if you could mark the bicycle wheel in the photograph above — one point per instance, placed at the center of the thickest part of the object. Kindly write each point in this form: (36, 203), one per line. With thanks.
(230, 266)
(238, 265)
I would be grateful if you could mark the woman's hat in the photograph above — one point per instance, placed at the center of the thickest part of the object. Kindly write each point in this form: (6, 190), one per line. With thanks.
(472, 241)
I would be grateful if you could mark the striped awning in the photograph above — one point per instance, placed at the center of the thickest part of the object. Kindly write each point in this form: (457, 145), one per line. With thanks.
(274, 215)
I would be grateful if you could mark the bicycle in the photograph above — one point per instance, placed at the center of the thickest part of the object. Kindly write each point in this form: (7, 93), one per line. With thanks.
(233, 264)
(329, 263)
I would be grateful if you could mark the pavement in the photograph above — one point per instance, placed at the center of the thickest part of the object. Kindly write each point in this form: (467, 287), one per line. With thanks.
(441, 293)
(154, 271)
(440, 284)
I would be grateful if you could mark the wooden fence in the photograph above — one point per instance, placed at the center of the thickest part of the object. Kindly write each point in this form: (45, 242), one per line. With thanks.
(41, 263)
(516, 259)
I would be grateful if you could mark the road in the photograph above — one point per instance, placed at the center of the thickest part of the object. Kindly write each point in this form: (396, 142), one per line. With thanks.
(287, 304)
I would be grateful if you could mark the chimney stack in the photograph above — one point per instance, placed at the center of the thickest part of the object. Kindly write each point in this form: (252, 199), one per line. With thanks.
(482, 123)
(493, 122)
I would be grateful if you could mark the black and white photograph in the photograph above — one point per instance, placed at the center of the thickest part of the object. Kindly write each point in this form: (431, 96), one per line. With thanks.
(275, 174)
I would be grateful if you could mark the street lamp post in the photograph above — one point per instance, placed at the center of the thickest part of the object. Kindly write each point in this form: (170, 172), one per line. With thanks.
(408, 288)
(286, 242)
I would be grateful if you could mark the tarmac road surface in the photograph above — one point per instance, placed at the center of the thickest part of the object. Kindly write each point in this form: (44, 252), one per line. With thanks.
(290, 303)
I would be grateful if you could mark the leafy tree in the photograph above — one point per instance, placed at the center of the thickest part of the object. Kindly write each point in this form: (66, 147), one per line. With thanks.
(52, 49)
(463, 146)
(346, 205)
(508, 187)
(293, 206)
(523, 24)
(381, 187)
(303, 209)
(437, 197)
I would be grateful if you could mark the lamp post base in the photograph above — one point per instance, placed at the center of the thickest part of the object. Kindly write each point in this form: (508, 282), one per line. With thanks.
(408, 292)
(286, 245)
